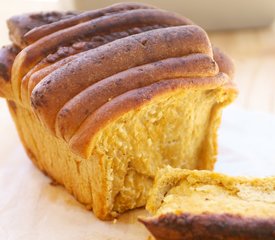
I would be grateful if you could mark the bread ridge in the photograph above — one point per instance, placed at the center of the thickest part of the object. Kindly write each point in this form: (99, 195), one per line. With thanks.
(122, 21)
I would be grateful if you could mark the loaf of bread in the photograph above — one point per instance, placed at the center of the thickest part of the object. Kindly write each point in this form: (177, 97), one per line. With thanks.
(103, 99)
(192, 204)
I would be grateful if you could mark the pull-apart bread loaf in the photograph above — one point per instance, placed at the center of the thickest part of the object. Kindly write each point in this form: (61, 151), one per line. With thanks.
(192, 204)
(103, 99)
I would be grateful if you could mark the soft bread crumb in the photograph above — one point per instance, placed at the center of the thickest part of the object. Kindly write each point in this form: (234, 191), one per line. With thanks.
(176, 129)
(197, 192)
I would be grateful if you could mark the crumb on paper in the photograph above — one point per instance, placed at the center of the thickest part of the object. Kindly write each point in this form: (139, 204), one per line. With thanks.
(54, 183)
(115, 221)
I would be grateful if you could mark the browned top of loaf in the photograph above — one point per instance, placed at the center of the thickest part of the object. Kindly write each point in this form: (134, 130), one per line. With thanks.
(77, 70)
(210, 227)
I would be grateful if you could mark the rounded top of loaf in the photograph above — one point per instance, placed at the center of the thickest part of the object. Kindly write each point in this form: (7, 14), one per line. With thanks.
(79, 71)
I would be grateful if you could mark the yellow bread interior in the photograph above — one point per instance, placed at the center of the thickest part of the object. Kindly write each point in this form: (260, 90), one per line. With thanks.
(178, 129)
(198, 192)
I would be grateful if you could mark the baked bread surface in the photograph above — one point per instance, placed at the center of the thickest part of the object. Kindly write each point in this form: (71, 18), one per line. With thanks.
(103, 99)
(206, 205)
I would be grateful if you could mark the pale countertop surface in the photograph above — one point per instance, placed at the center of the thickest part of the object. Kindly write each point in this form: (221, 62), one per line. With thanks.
(31, 209)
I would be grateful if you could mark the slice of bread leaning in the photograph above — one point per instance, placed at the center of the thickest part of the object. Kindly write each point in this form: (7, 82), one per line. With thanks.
(192, 204)
(104, 98)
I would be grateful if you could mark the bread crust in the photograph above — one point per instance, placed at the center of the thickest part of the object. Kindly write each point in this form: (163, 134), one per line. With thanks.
(210, 227)
(40, 49)
(48, 96)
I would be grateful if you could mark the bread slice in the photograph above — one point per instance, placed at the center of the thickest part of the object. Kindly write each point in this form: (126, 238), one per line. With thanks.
(105, 98)
(191, 204)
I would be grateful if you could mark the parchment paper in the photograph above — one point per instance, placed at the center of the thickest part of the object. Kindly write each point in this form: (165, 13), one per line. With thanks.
(32, 209)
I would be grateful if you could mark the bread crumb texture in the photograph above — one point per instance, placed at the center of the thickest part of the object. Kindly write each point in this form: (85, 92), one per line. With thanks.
(177, 129)
(214, 193)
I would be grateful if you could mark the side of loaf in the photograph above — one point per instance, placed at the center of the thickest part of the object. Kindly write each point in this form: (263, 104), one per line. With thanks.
(104, 99)
(191, 204)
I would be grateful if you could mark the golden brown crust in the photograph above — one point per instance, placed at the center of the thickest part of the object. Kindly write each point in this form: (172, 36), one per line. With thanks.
(210, 227)
(36, 74)
(48, 96)
(59, 41)
(66, 54)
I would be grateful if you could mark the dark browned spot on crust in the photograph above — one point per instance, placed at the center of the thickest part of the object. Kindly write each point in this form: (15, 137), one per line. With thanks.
(77, 167)
(54, 183)
(44, 172)
(85, 44)
(38, 100)
(12, 106)
(7, 56)
(208, 226)
(4, 72)
(50, 17)
(31, 155)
